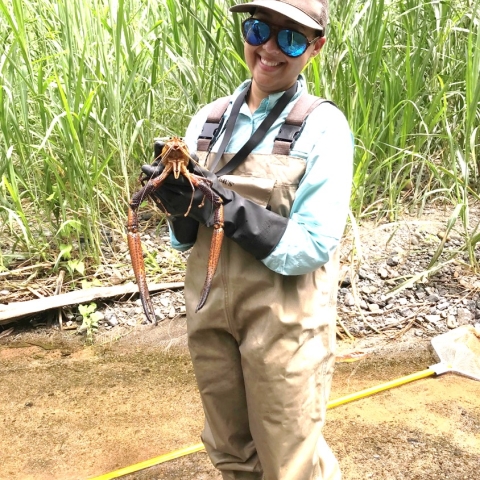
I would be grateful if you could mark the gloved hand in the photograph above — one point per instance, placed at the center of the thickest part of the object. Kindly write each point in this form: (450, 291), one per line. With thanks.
(256, 229)
(184, 228)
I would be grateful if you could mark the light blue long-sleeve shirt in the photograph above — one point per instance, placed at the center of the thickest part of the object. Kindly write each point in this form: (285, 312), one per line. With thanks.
(319, 211)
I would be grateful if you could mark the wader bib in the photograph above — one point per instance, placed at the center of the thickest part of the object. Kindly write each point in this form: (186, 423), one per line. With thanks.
(263, 345)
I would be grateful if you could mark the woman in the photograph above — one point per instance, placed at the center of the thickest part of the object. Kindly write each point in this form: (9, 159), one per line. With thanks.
(263, 345)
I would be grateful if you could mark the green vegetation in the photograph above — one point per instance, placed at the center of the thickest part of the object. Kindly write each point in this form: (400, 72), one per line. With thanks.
(85, 86)
(90, 320)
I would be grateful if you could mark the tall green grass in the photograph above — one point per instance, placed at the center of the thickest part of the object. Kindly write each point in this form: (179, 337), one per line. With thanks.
(85, 86)
(407, 74)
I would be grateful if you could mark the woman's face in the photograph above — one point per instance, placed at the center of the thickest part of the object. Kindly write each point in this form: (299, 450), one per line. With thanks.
(273, 71)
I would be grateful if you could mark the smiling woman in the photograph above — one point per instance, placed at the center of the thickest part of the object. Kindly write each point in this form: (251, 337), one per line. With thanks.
(263, 344)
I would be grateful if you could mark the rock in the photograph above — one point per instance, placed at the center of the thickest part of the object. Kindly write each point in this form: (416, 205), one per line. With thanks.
(393, 261)
(122, 247)
(116, 278)
(389, 321)
(392, 272)
(382, 271)
(433, 318)
(464, 316)
(165, 301)
(362, 274)
(144, 216)
(373, 307)
(349, 300)
(112, 320)
(452, 321)
(433, 298)
(172, 312)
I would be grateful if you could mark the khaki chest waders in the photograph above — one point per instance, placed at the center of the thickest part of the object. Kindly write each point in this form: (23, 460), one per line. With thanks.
(263, 345)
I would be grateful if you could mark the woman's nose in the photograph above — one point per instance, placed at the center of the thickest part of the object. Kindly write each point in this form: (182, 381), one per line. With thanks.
(271, 46)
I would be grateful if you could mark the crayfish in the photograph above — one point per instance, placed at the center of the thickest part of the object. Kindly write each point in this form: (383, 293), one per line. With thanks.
(175, 158)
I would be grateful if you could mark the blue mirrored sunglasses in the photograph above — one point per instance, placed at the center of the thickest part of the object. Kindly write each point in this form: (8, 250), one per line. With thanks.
(290, 42)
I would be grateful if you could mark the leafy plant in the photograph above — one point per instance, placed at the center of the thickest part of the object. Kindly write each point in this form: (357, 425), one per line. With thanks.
(90, 320)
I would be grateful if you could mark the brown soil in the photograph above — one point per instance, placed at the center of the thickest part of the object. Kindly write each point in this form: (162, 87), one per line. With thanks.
(75, 412)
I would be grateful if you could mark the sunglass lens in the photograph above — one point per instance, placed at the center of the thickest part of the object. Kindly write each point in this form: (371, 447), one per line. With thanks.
(255, 32)
(292, 43)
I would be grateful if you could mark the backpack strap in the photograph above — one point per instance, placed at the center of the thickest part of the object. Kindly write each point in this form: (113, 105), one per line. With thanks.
(214, 121)
(295, 122)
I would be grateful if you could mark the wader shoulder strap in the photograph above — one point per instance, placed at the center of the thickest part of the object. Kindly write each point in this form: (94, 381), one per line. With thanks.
(294, 123)
(213, 123)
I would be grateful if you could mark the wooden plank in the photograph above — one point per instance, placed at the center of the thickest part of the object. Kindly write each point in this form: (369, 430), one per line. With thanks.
(13, 311)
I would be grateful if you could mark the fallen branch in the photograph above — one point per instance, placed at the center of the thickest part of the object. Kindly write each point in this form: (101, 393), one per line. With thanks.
(13, 311)
(21, 270)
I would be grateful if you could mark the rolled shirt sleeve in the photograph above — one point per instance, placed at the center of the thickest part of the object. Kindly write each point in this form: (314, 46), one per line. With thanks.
(320, 209)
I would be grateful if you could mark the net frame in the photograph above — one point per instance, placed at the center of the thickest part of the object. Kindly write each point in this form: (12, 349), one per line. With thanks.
(459, 351)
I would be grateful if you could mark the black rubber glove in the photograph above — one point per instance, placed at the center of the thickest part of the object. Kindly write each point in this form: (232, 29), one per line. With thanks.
(256, 229)
(184, 228)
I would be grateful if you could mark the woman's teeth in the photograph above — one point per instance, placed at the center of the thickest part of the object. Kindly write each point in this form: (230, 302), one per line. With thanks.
(269, 64)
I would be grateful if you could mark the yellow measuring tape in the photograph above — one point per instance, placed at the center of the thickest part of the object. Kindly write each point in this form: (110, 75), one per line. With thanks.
(332, 404)
(150, 463)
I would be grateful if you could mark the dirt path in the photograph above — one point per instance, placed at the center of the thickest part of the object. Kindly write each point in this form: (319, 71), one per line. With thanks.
(70, 412)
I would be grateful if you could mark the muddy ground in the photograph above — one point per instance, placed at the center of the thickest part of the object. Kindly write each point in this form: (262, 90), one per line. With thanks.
(74, 412)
